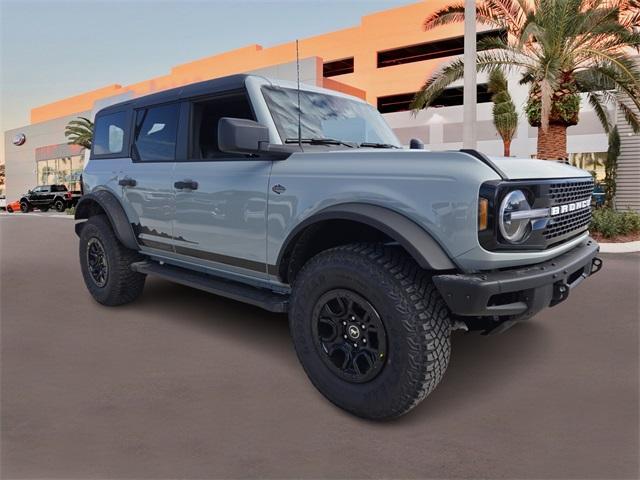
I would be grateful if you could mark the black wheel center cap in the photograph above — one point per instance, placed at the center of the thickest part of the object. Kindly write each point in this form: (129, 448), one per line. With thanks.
(353, 331)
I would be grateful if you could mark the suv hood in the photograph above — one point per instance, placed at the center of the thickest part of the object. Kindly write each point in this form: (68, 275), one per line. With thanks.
(533, 168)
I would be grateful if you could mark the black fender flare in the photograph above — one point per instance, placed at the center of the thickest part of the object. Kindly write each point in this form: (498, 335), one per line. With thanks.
(107, 202)
(419, 243)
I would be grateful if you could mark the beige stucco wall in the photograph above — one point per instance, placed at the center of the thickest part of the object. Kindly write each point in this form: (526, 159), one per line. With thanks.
(21, 161)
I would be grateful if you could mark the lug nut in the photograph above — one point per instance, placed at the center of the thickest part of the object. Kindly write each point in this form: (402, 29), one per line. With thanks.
(363, 326)
(345, 337)
(355, 345)
(344, 323)
(364, 340)
(352, 317)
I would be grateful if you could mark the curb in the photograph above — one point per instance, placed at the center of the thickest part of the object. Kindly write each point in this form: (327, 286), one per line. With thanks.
(627, 247)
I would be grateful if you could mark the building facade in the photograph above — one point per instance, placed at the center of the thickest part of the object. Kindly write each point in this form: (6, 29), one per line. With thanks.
(385, 60)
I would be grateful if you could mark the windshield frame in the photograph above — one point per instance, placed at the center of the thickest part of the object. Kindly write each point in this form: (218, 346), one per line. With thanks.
(388, 137)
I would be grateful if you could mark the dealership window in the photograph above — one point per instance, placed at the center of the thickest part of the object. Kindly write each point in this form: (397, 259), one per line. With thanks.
(156, 133)
(61, 171)
(337, 67)
(109, 134)
(590, 161)
(448, 98)
(446, 47)
(206, 115)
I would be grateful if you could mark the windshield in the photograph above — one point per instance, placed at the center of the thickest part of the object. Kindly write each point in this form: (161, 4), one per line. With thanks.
(326, 117)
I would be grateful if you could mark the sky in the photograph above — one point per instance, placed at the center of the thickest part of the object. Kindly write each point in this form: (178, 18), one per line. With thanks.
(52, 49)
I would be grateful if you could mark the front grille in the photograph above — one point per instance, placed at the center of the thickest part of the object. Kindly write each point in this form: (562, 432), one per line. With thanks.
(570, 223)
(567, 223)
(566, 192)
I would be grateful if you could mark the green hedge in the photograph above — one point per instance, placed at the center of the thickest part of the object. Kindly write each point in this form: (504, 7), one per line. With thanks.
(611, 223)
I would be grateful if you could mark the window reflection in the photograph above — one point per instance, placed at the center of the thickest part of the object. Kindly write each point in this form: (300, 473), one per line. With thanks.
(61, 171)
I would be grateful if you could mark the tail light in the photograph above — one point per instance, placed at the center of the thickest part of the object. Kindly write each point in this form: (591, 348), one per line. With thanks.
(68, 195)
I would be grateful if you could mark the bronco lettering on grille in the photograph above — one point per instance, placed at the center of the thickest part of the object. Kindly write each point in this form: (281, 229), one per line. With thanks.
(569, 207)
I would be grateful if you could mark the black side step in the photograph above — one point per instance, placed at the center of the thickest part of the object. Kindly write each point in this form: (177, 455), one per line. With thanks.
(260, 297)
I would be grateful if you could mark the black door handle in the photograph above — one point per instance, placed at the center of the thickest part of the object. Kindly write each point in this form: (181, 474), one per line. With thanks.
(186, 185)
(127, 182)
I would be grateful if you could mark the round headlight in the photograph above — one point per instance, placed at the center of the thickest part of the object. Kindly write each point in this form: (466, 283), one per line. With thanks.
(512, 227)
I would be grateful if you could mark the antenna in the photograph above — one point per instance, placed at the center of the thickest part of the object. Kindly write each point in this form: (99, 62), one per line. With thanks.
(299, 110)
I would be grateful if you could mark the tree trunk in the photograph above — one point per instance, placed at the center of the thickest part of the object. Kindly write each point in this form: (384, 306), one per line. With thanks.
(552, 144)
(507, 148)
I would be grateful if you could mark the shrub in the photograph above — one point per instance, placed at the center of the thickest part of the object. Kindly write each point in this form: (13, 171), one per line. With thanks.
(70, 211)
(611, 223)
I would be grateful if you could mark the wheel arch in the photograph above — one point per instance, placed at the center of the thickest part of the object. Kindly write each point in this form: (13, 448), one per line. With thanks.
(390, 225)
(103, 202)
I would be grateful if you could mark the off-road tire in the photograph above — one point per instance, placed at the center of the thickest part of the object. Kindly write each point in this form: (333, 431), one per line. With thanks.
(414, 315)
(59, 205)
(9, 209)
(25, 207)
(123, 285)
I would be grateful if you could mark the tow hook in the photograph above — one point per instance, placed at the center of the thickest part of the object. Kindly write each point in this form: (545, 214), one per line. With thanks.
(596, 265)
(560, 293)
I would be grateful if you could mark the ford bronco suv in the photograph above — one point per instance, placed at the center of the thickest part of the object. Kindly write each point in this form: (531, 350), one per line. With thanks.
(45, 197)
(303, 201)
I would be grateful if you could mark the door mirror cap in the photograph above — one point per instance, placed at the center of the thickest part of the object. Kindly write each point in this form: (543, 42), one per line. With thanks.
(240, 135)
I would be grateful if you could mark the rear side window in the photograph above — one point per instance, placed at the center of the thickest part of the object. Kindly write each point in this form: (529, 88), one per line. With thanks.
(156, 133)
(108, 138)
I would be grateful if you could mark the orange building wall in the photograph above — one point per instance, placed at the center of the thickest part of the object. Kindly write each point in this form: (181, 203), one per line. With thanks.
(379, 31)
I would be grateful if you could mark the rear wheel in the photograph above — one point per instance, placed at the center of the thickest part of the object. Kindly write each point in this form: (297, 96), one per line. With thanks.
(370, 329)
(59, 205)
(106, 264)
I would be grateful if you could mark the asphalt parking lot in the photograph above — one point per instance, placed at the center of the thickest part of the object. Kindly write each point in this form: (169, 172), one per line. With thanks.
(182, 384)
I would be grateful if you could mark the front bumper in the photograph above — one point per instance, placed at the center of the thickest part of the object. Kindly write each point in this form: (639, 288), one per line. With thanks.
(519, 292)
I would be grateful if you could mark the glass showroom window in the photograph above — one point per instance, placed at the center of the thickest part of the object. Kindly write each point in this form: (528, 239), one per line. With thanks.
(61, 171)
(590, 161)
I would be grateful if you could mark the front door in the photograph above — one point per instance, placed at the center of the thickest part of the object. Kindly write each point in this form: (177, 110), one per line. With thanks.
(221, 198)
(147, 180)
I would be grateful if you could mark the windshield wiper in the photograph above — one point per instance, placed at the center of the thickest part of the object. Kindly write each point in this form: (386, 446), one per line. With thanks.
(377, 145)
(319, 141)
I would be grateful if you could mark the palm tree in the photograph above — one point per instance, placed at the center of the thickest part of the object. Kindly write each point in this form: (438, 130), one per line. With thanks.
(80, 132)
(505, 117)
(560, 48)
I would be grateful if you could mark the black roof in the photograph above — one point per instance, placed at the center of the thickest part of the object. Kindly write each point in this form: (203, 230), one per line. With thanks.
(208, 87)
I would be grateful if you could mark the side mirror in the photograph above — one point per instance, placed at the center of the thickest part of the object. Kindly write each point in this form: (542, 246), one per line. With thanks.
(29, 191)
(239, 135)
(416, 144)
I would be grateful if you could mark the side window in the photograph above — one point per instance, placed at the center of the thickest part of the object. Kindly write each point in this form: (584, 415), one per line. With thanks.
(206, 114)
(156, 133)
(109, 134)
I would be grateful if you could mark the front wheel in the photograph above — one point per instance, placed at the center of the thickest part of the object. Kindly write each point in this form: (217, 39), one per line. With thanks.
(25, 207)
(106, 264)
(59, 206)
(370, 329)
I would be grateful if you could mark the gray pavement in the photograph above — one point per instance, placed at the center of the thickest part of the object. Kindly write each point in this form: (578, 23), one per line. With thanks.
(182, 384)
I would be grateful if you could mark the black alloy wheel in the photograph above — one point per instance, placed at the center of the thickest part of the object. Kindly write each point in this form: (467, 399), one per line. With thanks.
(349, 335)
(97, 262)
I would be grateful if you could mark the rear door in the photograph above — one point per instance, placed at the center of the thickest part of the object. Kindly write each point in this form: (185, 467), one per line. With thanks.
(221, 198)
(147, 180)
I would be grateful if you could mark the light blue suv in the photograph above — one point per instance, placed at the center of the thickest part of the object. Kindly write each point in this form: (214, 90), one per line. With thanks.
(303, 201)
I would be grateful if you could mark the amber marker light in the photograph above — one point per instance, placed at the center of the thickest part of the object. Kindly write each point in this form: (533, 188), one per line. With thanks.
(483, 214)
